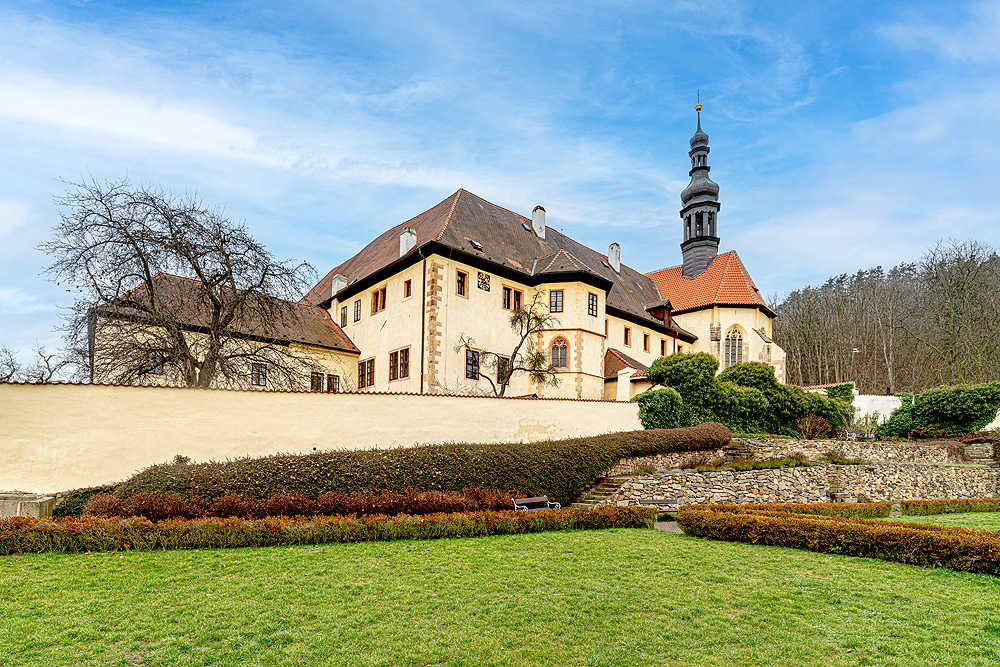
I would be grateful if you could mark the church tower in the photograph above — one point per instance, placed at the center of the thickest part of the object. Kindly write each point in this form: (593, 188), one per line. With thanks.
(699, 209)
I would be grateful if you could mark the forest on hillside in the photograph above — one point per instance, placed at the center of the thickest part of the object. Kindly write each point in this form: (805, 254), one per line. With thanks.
(916, 326)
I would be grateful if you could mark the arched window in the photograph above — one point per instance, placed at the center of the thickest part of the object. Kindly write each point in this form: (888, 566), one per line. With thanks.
(698, 223)
(734, 347)
(559, 356)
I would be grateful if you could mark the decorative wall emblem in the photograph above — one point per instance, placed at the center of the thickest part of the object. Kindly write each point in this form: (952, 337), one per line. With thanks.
(484, 281)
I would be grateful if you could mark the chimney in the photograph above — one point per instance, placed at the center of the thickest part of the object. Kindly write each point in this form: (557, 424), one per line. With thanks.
(407, 240)
(615, 257)
(338, 283)
(538, 222)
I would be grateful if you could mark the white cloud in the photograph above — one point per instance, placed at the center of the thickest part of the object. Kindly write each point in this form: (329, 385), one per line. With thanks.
(973, 41)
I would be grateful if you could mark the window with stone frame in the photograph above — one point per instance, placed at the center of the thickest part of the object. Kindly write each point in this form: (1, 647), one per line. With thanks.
(559, 354)
(399, 364)
(556, 301)
(407, 289)
(645, 342)
(506, 296)
(378, 301)
(627, 337)
(366, 373)
(343, 316)
(333, 384)
(461, 283)
(471, 364)
(357, 310)
(734, 347)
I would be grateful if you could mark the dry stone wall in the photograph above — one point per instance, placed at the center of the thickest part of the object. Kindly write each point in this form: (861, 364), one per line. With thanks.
(812, 484)
(898, 471)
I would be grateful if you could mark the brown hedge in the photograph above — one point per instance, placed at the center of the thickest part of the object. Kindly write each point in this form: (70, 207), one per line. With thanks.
(27, 535)
(959, 506)
(159, 506)
(560, 469)
(856, 510)
(915, 544)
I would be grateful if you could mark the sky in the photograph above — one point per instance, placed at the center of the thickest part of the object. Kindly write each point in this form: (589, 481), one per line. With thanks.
(844, 135)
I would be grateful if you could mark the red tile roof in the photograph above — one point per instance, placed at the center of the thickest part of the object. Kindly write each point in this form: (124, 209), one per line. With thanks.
(725, 283)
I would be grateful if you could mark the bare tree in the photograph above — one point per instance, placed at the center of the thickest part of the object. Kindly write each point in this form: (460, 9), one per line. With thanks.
(172, 288)
(10, 367)
(527, 323)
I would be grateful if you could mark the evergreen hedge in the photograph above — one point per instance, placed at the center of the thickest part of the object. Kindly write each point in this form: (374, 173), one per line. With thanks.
(560, 469)
(943, 412)
(745, 397)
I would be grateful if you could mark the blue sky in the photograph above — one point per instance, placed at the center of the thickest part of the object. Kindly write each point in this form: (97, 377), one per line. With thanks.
(844, 135)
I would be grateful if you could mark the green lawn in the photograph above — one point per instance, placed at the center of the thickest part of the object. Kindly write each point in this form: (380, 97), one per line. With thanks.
(977, 520)
(614, 597)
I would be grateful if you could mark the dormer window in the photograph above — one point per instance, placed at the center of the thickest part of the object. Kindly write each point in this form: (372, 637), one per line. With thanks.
(527, 227)
(476, 244)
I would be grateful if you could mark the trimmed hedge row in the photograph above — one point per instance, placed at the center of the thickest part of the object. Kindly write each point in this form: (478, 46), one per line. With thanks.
(961, 506)
(560, 469)
(159, 506)
(845, 510)
(926, 545)
(943, 411)
(26, 535)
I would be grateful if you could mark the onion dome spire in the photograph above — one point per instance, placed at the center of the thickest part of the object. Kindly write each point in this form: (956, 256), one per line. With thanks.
(699, 208)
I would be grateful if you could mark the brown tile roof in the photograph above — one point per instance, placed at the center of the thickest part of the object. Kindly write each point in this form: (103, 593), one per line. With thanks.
(182, 297)
(506, 240)
(615, 360)
(725, 282)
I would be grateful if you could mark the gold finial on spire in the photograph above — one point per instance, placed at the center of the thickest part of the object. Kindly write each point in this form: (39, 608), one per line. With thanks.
(697, 107)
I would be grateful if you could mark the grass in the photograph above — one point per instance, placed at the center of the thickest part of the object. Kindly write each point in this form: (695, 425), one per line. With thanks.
(976, 520)
(613, 597)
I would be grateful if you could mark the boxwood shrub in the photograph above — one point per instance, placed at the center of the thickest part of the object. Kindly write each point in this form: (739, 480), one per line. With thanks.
(943, 411)
(745, 397)
(560, 469)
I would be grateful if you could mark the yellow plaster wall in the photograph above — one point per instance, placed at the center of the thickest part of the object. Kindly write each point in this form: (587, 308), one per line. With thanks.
(58, 437)
(698, 323)
(395, 327)
(333, 362)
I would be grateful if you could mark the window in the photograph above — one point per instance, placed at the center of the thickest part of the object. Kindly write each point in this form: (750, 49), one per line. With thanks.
(517, 299)
(592, 304)
(628, 337)
(366, 373)
(461, 283)
(399, 364)
(556, 301)
(506, 291)
(559, 353)
(407, 289)
(343, 316)
(663, 348)
(357, 310)
(316, 382)
(734, 347)
(378, 300)
(258, 375)
(333, 384)
(471, 364)
(605, 328)
(503, 369)
(645, 342)
(155, 363)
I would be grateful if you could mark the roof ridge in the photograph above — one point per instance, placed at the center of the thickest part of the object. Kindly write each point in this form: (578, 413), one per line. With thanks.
(451, 212)
(722, 280)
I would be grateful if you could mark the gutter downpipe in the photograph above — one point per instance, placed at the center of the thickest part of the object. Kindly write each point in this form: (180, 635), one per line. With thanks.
(423, 314)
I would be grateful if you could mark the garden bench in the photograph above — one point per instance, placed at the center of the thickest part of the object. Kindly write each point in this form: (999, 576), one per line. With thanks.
(662, 505)
(536, 504)
(854, 436)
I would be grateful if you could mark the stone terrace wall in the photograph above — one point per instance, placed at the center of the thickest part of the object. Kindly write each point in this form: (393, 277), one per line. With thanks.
(881, 482)
(896, 452)
(659, 461)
